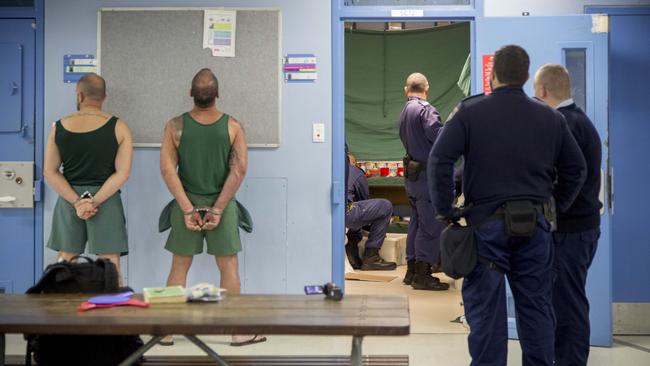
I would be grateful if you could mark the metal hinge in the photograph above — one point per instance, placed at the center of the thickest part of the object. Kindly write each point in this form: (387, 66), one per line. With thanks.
(610, 190)
(34, 25)
(38, 190)
(338, 193)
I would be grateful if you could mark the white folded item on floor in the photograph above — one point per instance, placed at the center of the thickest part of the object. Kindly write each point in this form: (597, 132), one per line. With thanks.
(392, 250)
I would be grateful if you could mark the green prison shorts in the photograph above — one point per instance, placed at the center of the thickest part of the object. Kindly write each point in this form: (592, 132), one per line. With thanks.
(221, 241)
(105, 232)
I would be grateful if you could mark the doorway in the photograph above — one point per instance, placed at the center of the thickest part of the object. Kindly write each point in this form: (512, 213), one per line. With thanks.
(378, 57)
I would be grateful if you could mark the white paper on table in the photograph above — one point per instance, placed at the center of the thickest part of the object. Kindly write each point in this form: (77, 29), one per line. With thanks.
(219, 32)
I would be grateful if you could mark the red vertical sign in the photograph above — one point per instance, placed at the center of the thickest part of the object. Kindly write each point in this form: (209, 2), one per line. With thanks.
(488, 62)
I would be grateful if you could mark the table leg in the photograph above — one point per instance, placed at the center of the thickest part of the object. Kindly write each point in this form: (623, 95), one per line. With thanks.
(205, 348)
(356, 359)
(2, 349)
(137, 354)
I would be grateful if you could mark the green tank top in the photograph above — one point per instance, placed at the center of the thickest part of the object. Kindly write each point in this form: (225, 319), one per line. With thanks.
(88, 158)
(203, 154)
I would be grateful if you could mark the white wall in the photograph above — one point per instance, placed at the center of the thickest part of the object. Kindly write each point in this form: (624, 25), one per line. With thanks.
(495, 8)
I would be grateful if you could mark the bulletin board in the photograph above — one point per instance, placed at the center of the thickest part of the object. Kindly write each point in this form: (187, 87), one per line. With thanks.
(149, 56)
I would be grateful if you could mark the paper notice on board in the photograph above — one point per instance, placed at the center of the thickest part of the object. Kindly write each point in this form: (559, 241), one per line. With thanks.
(219, 32)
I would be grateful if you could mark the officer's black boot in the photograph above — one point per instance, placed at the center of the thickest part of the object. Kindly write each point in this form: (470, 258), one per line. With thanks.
(372, 261)
(436, 268)
(410, 272)
(352, 251)
(424, 281)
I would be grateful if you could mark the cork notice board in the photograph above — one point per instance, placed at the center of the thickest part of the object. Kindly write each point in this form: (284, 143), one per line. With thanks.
(149, 56)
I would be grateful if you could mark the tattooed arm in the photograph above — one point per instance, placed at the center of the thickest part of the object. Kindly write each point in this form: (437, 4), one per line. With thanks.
(169, 171)
(238, 164)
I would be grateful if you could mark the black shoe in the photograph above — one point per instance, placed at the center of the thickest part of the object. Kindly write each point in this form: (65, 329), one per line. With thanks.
(352, 251)
(424, 281)
(372, 261)
(410, 272)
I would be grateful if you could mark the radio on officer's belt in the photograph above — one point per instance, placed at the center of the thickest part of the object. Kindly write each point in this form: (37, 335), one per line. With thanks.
(331, 291)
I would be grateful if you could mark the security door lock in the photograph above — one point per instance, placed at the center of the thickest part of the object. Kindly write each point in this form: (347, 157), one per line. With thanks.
(8, 174)
(16, 184)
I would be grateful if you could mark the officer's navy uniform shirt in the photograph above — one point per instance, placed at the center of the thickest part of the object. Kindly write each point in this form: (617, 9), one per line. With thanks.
(584, 213)
(419, 127)
(357, 189)
(512, 146)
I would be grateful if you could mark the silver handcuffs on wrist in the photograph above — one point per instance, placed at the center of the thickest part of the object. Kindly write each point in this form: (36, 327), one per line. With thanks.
(204, 210)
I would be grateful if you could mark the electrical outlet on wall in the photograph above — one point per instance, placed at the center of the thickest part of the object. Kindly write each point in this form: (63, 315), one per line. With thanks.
(318, 132)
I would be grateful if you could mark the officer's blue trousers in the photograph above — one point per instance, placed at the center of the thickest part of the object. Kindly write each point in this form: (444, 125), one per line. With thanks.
(423, 237)
(528, 264)
(574, 253)
(375, 212)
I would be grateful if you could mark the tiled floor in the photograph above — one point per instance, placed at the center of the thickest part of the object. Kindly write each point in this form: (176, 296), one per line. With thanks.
(434, 340)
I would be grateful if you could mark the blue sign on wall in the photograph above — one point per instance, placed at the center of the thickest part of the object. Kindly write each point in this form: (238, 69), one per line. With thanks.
(76, 66)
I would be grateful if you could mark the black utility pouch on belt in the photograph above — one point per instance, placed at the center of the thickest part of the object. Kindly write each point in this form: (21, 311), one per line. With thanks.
(458, 253)
(412, 168)
(520, 218)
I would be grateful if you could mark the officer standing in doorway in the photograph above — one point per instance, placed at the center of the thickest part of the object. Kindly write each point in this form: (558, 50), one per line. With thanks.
(578, 229)
(514, 149)
(419, 127)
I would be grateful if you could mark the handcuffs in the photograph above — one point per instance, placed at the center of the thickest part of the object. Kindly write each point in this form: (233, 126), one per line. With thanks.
(83, 196)
(203, 210)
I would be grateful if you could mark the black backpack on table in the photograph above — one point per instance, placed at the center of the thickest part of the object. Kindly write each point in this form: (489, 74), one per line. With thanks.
(98, 276)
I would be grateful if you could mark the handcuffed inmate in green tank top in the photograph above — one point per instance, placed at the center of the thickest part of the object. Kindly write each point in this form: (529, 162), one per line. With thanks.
(203, 154)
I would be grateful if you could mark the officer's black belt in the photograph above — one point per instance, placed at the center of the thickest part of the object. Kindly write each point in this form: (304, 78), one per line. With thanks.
(520, 221)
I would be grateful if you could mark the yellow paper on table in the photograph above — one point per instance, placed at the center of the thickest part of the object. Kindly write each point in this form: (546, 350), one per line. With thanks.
(162, 295)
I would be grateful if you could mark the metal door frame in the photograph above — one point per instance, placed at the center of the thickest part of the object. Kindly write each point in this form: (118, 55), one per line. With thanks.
(341, 14)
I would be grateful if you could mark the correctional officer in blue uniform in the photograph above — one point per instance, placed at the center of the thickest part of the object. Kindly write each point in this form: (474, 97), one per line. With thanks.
(419, 127)
(578, 229)
(514, 148)
(363, 211)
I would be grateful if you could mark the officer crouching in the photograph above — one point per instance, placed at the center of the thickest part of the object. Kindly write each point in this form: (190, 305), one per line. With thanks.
(514, 147)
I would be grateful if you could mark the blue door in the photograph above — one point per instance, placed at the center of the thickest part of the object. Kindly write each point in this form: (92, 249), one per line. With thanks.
(17, 83)
(630, 132)
(581, 44)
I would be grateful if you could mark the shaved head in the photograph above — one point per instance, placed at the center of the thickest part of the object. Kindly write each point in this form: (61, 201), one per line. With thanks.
(555, 79)
(205, 88)
(417, 83)
(93, 87)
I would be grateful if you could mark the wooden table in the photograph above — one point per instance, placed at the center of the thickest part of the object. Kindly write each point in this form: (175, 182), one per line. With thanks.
(356, 316)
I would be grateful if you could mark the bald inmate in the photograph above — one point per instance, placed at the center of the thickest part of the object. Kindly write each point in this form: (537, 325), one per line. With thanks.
(416, 83)
(205, 88)
(92, 86)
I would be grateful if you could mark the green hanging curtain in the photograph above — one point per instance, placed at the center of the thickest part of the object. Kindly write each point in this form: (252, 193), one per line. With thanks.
(376, 67)
(464, 81)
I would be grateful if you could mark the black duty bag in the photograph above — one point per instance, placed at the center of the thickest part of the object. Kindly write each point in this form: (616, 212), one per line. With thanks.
(458, 253)
(99, 276)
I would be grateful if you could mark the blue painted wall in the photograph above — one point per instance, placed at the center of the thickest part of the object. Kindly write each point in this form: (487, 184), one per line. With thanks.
(287, 189)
